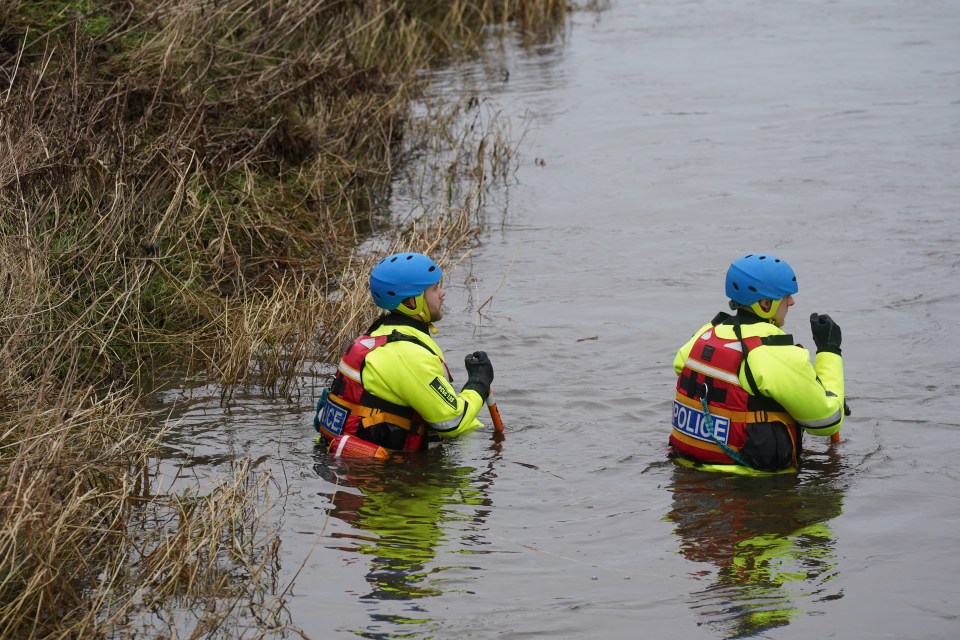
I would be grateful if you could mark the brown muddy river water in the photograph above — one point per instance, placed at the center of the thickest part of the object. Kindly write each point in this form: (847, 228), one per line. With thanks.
(663, 140)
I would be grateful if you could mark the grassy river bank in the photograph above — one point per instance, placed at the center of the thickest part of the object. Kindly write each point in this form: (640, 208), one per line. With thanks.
(183, 187)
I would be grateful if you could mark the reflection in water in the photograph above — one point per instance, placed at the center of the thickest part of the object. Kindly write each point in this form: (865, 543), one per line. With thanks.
(401, 512)
(768, 539)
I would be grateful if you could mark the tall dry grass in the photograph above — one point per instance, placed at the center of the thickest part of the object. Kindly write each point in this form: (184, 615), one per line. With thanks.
(185, 184)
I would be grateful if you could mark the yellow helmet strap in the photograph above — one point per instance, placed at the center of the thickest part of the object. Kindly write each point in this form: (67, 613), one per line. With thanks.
(420, 310)
(769, 314)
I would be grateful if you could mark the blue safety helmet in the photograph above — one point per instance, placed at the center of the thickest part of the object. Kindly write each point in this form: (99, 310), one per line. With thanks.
(757, 276)
(402, 276)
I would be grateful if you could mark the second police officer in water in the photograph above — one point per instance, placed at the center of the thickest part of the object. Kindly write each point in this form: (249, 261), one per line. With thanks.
(745, 392)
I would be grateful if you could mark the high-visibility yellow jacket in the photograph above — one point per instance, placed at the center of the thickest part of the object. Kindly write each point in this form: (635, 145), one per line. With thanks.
(404, 373)
(811, 394)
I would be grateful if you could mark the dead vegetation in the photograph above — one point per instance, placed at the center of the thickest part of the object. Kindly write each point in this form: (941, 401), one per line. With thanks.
(184, 184)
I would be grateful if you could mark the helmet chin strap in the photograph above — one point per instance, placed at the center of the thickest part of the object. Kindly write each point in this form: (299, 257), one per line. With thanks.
(767, 315)
(421, 311)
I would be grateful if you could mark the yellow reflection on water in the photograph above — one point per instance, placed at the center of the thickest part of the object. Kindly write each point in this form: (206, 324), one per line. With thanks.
(401, 512)
(767, 542)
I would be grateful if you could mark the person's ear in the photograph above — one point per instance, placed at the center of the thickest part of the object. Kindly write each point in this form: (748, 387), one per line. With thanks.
(410, 303)
(766, 304)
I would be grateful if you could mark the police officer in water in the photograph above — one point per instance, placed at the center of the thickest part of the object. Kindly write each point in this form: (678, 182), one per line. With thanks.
(745, 392)
(393, 390)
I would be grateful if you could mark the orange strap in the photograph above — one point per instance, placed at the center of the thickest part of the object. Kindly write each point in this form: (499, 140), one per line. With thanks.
(739, 416)
(370, 416)
(711, 446)
(699, 444)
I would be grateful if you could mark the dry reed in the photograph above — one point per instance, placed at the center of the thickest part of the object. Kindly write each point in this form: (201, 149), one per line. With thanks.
(187, 181)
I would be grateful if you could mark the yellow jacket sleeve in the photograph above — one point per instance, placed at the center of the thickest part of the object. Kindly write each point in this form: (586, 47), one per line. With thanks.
(813, 396)
(405, 373)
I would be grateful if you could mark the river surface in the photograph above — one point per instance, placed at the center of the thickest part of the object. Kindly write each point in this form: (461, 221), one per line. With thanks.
(662, 141)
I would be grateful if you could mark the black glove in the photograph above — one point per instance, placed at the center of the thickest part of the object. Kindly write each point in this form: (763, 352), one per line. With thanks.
(479, 373)
(826, 333)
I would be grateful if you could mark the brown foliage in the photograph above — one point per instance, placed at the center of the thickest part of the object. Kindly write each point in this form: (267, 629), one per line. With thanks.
(187, 181)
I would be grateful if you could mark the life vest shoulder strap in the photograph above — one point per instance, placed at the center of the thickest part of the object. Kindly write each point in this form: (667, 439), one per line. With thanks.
(720, 318)
(784, 340)
(770, 340)
(355, 355)
(395, 336)
(775, 341)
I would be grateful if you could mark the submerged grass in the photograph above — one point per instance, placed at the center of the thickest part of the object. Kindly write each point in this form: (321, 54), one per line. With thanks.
(187, 181)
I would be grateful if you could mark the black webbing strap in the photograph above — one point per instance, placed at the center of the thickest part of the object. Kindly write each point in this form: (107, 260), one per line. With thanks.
(693, 389)
(406, 337)
(785, 340)
(758, 401)
(367, 399)
(746, 365)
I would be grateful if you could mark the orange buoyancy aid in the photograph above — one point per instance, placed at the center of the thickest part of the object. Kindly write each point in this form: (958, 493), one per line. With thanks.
(349, 409)
(711, 371)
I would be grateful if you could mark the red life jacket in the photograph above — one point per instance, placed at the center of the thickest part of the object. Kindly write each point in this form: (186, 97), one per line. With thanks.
(349, 409)
(712, 371)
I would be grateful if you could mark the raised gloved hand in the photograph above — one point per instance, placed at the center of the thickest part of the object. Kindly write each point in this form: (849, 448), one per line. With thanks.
(826, 333)
(479, 373)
